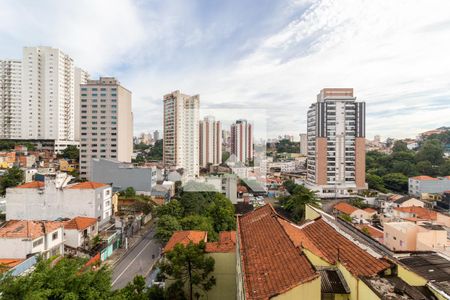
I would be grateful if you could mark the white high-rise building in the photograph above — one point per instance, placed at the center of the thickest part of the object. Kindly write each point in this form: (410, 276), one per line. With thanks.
(303, 143)
(106, 126)
(210, 141)
(48, 96)
(80, 77)
(181, 132)
(10, 98)
(336, 143)
(242, 140)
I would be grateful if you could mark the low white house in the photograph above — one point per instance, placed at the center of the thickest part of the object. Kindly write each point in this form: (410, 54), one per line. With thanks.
(54, 199)
(19, 238)
(79, 231)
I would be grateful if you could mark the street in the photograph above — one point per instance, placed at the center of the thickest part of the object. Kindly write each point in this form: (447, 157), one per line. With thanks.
(138, 261)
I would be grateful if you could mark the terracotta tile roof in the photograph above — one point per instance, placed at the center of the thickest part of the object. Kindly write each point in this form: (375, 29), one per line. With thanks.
(80, 223)
(31, 185)
(345, 208)
(418, 212)
(370, 210)
(324, 241)
(27, 229)
(8, 263)
(184, 237)
(271, 263)
(424, 177)
(226, 243)
(373, 232)
(88, 185)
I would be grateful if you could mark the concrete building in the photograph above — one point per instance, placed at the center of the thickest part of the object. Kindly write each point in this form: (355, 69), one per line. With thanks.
(10, 98)
(181, 132)
(242, 140)
(425, 184)
(336, 143)
(19, 238)
(210, 138)
(106, 123)
(79, 231)
(156, 136)
(123, 175)
(48, 95)
(303, 144)
(54, 199)
(80, 77)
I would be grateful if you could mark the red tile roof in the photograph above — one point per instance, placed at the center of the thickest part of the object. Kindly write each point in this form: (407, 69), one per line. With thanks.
(324, 241)
(369, 210)
(419, 212)
(345, 208)
(80, 223)
(31, 185)
(88, 185)
(373, 232)
(8, 263)
(28, 229)
(271, 263)
(424, 177)
(226, 243)
(184, 237)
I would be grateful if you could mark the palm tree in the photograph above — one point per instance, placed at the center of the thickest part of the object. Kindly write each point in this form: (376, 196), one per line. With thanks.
(295, 203)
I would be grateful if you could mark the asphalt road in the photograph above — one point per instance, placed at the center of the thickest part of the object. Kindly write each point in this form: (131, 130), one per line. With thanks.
(137, 261)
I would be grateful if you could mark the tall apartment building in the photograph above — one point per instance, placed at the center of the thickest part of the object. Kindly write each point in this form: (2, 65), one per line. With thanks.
(106, 129)
(156, 135)
(80, 77)
(181, 132)
(242, 140)
(210, 138)
(10, 98)
(303, 143)
(336, 143)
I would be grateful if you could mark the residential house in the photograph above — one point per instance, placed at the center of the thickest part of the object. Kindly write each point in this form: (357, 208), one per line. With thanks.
(54, 199)
(184, 237)
(426, 184)
(357, 214)
(21, 238)
(79, 231)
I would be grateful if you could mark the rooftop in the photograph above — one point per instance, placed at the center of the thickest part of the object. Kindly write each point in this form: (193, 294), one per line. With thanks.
(345, 208)
(424, 177)
(31, 185)
(226, 243)
(88, 185)
(372, 231)
(271, 263)
(184, 237)
(28, 229)
(80, 223)
(418, 212)
(324, 241)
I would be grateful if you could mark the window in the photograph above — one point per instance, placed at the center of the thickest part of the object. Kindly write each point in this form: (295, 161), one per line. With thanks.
(38, 242)
(54, 236)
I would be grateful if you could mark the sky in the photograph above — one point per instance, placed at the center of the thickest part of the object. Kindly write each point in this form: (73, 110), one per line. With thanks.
(264, 55)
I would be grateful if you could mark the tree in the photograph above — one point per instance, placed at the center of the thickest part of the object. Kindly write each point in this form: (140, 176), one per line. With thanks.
(425, 167)
(67, 279)
(129, 192)
(221, 211)
(295, 203)
(12, 177)
(138, 290)
(71, 152)
(396, 182)
(197, 222)
(444, 169)
(173, 208)
(432, 151)
(190, 268)
(375, 182)
(166, 226)
(400, 146)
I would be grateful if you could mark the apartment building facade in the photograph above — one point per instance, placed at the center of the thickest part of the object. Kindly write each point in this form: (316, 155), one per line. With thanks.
(181, 132)
(336, 143)
(106, 123)
(210, 138)
(80, 77)
(242, 140)
(426, 184)
(10, 98)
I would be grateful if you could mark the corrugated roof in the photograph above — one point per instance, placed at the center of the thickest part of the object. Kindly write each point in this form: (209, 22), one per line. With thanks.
(271, 263)
(332, 281)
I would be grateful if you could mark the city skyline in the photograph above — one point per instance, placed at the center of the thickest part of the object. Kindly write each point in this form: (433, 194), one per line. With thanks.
(277, 55)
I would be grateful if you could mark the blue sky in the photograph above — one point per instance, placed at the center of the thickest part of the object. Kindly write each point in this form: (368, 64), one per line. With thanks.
(272, 55)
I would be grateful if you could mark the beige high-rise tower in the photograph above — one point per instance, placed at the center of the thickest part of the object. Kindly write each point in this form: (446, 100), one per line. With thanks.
(242, 140)
(210, 140)
(336, 143)
(10, 98)
(181, 133)
(106, 124)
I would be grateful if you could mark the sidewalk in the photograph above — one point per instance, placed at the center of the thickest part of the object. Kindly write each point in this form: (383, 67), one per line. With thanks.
(115, 258)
